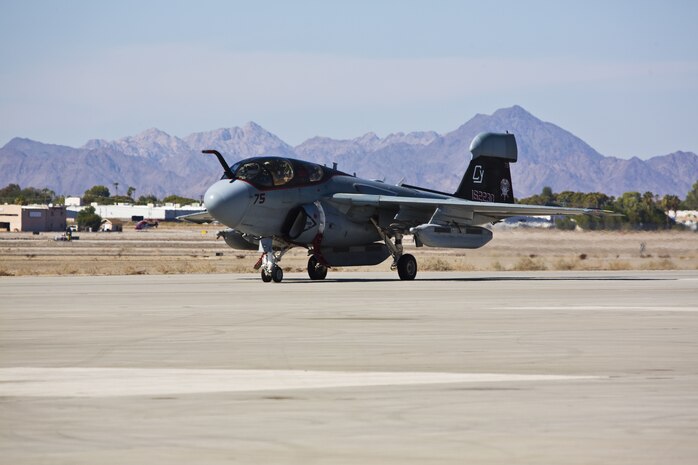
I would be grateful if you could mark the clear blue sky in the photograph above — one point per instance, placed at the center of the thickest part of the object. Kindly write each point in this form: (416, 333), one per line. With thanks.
(621, 75)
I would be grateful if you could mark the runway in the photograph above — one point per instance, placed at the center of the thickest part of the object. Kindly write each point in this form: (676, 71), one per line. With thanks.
(493, 368)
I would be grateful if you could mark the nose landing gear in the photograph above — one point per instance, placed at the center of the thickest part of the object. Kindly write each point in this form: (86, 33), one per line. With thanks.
(276, 275)
(266, 276)
(268, 263)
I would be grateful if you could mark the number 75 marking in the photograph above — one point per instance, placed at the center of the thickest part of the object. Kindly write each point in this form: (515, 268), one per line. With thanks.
(259, 198)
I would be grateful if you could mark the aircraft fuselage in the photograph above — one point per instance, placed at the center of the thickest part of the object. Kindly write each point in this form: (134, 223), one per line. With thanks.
(263, 211)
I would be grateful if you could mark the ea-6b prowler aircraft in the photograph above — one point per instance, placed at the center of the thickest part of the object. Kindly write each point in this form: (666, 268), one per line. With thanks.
(274, 204)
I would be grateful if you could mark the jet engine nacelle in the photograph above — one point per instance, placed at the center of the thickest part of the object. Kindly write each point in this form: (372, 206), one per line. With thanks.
(236, 240)
(460, 237)
(304, 223)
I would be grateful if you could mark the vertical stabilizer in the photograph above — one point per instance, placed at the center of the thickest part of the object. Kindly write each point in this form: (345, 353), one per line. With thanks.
(488, 178)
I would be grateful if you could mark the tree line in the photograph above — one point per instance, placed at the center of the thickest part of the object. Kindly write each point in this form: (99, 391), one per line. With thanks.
(101, 195)
(640, 211)
(14, 194)
(645, 211)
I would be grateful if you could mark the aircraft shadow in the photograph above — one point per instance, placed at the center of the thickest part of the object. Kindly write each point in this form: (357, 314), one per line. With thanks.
(477, 279)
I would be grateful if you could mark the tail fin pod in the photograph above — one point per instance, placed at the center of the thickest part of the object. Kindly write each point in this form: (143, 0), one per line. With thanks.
(488, 178)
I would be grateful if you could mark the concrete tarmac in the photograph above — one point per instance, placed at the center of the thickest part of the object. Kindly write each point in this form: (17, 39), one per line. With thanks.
(487, 368)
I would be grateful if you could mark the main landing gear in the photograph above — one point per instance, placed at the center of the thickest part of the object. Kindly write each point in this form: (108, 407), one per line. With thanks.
(316, 270)
(407, 267)
(405, 264)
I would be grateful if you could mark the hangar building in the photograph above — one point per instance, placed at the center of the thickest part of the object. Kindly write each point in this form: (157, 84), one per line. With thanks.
(32, 218)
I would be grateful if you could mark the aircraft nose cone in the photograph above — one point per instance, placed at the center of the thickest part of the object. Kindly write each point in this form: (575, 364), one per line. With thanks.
(228, 201)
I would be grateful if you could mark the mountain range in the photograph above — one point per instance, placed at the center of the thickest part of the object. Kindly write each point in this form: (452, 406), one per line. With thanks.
(154, 162)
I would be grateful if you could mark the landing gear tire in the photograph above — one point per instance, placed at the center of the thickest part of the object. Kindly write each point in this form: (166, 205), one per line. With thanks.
(266, 277)
(316, 271)
(407, 267)
(277, 274)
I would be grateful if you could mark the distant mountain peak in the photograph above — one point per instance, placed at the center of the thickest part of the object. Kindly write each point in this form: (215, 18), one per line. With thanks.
(92, 144)
(18, 142)
(249, 140)
(413, 138)
(24, 143)
(252, 126)
(151, 132)
(367, 138)
(154, 161)
(515, 111)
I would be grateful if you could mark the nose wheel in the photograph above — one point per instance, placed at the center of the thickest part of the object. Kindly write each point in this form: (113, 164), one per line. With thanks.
(266, 276)
(268, 262)
(276, 275)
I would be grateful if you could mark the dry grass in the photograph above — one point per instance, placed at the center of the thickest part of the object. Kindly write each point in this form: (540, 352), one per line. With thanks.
(436, 264)
(182, 249)
(562, 264)
(133, 271)
(530, 264)
(616, 265)
(663, 264)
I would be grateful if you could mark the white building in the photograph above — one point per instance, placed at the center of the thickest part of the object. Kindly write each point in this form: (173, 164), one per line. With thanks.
(73, 201)
(129, 212)
(688, 218)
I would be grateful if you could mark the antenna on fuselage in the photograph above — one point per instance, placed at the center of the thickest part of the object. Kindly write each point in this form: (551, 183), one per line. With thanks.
(221, 160)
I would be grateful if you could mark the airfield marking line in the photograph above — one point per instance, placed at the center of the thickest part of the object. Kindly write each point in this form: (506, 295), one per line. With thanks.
(115, 382)
(604, 308)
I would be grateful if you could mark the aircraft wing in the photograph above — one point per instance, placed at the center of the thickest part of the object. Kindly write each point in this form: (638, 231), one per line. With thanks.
(455, 208)
(202, 217)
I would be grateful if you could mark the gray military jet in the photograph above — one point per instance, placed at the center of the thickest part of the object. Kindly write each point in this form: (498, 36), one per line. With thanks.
(274, 204)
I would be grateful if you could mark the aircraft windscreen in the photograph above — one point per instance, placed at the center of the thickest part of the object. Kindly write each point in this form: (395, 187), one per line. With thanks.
(233, 169)
(265, 172)
(280, 169)
(315, 173)
(248, 171)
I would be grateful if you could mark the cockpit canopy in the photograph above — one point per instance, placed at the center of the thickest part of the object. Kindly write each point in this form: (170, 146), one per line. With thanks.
(270, 172)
